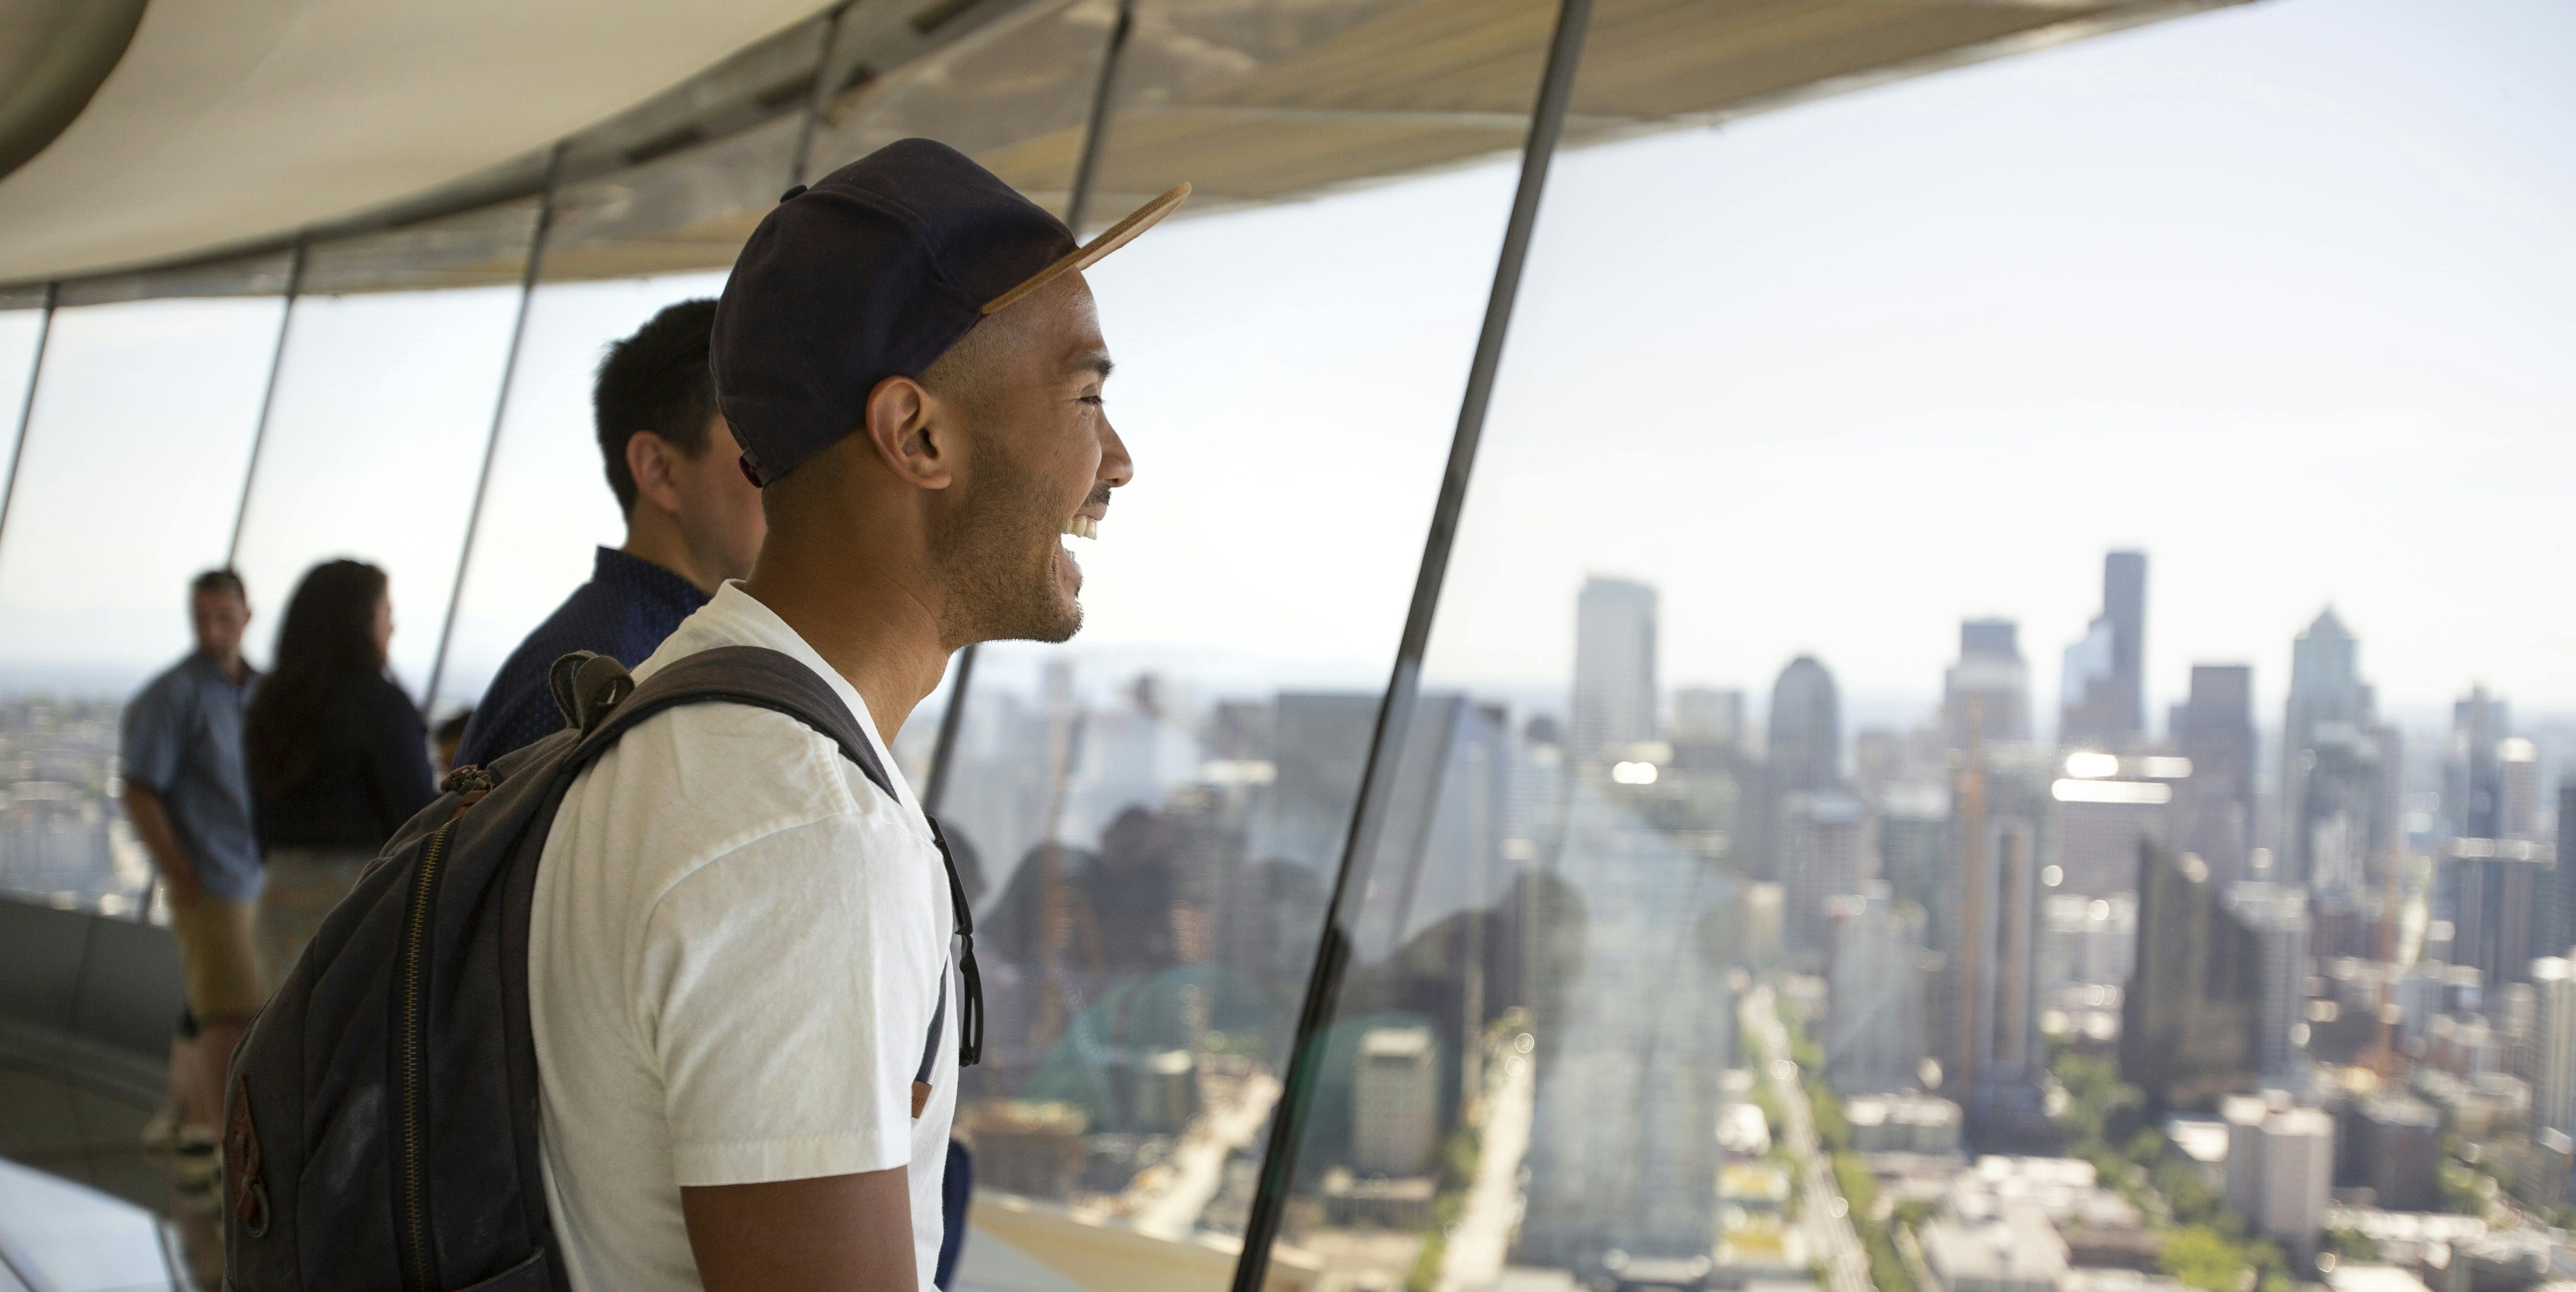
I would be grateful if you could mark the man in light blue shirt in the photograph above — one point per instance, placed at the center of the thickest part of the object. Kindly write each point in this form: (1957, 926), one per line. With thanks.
(187, 796)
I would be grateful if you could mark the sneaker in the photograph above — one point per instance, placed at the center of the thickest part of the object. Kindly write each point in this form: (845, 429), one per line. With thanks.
(161, 1134)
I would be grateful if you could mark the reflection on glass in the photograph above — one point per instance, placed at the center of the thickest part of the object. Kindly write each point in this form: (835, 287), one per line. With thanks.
(114, 512)
(1156, 809)
(548, 508)
(1946, 692)
(383, 409)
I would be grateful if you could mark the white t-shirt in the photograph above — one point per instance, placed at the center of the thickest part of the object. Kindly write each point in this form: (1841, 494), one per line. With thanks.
(735, 954)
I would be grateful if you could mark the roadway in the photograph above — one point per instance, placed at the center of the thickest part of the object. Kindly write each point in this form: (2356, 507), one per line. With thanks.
(1822, 1213)
(1473, 1261)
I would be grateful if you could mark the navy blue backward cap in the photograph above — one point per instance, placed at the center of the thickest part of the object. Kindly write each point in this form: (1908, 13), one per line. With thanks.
(873, 272)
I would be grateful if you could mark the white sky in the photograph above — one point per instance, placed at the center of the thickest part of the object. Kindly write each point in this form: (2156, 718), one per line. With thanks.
(2282, 294)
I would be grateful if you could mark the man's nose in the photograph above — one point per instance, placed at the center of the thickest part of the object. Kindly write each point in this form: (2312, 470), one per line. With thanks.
(1116, 468)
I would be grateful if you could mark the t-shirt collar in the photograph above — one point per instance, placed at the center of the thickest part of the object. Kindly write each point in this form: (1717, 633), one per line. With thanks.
(742, 617)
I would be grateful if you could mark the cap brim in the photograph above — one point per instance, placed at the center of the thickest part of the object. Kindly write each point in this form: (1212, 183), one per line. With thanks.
(1090, 253)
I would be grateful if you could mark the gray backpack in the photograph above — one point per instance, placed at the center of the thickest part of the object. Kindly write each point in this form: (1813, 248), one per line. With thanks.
(381, 1124)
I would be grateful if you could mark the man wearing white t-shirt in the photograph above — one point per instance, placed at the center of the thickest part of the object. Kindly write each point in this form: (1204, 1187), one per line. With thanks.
(739, 945)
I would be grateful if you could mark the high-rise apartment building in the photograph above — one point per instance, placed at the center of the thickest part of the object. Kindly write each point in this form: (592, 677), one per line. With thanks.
(2500, 896)
(1395, 1101)
(2277, 914)
(2104, 682)
(2341, 778)
(1819, 836)
(2215, 732)
(2553, 1067)
(1989, 686)
(2195, 997)
(1873, 1027)
(1914, 846)
(1987, 1038)
(1614, 667)
(1805, 749)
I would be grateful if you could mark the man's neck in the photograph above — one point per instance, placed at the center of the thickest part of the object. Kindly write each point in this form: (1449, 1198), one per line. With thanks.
(871, 626)
(232, 666)
(652, 536)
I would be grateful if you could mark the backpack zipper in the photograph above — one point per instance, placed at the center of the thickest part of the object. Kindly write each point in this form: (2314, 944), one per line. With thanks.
(412, 1200)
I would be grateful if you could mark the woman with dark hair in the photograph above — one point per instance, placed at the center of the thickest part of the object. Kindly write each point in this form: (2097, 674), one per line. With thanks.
(337, 756)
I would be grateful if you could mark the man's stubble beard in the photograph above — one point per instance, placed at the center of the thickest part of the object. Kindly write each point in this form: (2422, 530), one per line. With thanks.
(985, 552)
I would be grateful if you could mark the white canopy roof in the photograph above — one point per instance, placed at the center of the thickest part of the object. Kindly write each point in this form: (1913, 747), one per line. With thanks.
(239, 125)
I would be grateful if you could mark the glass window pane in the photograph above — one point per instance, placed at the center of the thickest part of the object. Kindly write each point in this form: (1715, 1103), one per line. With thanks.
(1796, 710)
(1157, 808)
(383, 408)
(132, 470)
(549, 507)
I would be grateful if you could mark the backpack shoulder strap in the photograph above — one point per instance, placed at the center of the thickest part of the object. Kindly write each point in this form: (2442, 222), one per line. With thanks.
(774, 680)
(752, 675)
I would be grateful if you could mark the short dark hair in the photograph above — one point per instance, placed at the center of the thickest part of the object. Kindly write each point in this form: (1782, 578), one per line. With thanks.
(655, 380)
(214, 581)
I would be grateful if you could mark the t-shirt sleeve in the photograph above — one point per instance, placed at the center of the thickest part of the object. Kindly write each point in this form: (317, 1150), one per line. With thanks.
(787, 990)
(150, 739)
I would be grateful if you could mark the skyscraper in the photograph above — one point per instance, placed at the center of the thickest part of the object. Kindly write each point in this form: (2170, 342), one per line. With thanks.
(2105, 677)
(2189, 1016)
(1989, 681)
(2500, 896)
(2277, 915)
(1614, 667)
(1806, 730)
(1988, 1036)
(1819, 834)
(2473, 795)
(2340, 777)
(2553, 1069)
(2217, 735)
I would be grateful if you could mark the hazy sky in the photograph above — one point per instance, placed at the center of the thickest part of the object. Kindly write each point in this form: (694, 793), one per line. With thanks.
(2281, 294)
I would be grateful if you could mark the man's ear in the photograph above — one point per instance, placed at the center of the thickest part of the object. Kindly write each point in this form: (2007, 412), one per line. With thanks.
(654, 463)
(915, 433)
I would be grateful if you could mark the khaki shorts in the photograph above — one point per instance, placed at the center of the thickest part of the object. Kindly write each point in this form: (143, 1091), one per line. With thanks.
(215, 959)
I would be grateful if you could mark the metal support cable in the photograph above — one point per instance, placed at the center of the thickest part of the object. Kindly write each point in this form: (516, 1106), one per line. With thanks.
(500, 411)
(27, 406)
(1104, 94)
(1395, 712)
(267, 403)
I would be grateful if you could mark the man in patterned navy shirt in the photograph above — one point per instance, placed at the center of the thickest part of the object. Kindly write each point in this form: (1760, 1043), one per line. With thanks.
(692, 521)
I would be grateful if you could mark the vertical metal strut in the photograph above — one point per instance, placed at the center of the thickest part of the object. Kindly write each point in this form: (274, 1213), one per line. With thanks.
(27, 406)
(500, 410)
(267, 403)
(1395, 713)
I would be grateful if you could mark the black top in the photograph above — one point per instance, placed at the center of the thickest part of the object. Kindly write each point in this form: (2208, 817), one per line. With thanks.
(370, 774)
(624, 612)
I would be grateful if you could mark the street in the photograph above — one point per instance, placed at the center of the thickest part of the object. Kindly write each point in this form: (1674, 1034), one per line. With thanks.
(1483, 1236)
(1821, 1211)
